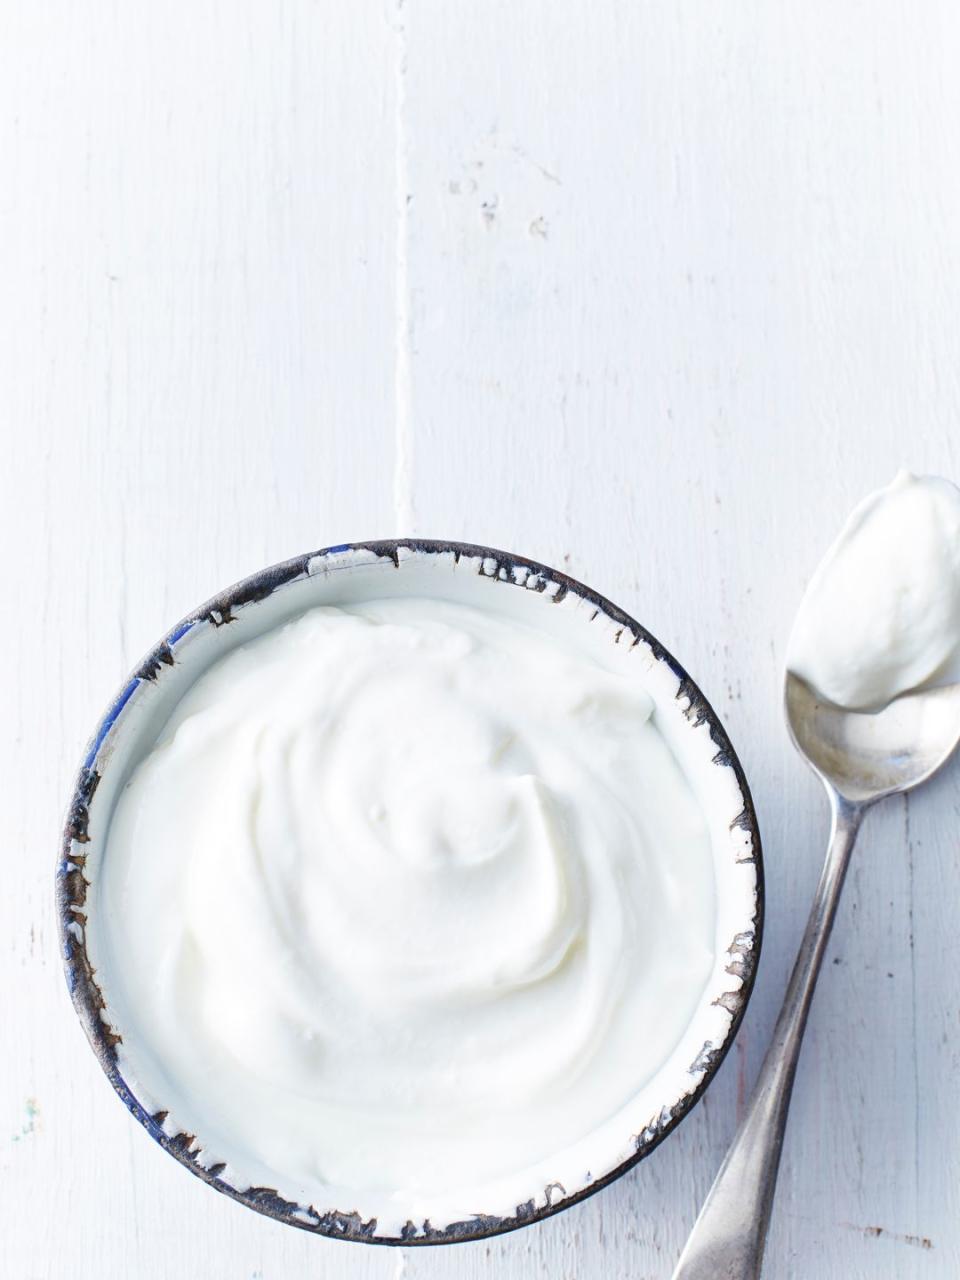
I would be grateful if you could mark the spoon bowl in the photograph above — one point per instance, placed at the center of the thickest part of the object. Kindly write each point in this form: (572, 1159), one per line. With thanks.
(867, 755)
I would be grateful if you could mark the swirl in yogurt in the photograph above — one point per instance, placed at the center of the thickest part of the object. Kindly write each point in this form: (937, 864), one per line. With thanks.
(408, 895)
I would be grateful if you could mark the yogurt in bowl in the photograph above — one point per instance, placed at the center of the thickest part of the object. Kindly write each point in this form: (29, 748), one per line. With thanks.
(410, 892)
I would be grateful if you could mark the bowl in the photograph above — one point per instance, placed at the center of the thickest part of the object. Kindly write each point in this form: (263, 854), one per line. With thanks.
(514, 587)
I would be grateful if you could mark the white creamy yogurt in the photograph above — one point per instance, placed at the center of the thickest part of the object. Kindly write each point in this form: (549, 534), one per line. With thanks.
(407, 897)
(881, 615)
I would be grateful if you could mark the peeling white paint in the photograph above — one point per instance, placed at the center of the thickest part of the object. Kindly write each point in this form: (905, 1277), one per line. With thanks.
(744, 314)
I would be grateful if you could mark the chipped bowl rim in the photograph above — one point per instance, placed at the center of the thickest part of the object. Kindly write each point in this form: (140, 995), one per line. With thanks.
(72, 886)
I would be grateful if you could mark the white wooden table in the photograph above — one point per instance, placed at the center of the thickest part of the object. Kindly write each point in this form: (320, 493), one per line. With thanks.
(650, 292)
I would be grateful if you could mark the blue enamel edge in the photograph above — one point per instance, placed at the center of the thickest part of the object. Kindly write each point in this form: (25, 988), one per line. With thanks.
(109, 720)
(180, 632)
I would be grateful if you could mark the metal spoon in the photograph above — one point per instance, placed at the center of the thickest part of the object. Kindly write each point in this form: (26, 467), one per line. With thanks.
(860, 758)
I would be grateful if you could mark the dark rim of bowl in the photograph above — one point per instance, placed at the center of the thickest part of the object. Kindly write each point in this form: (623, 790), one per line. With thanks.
(88, 1000)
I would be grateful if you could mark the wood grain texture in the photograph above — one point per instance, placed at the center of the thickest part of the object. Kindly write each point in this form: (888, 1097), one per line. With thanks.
(653, 293)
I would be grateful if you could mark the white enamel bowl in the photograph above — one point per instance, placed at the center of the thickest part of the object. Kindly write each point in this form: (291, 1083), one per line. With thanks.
(514, 587)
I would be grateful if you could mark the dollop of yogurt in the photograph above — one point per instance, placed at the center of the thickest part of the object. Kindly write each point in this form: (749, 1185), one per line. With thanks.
(881, 616)
(407, 895)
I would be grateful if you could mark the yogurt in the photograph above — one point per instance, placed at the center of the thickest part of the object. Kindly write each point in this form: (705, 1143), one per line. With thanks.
(406, 897)
(881, 616)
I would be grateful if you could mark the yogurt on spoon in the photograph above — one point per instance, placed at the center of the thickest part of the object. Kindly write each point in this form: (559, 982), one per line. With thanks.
(881, 616)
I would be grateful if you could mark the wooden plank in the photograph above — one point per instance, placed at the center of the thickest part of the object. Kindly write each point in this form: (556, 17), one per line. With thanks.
(683, 287)
(197, 255)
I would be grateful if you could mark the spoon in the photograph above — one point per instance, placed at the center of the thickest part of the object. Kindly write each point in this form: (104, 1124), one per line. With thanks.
(860, 757)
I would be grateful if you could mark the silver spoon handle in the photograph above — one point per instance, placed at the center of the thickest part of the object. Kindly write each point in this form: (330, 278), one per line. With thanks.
(728, 1237)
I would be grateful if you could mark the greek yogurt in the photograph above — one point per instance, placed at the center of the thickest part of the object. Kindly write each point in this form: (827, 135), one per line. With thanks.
(407, 896)
(881, 616)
